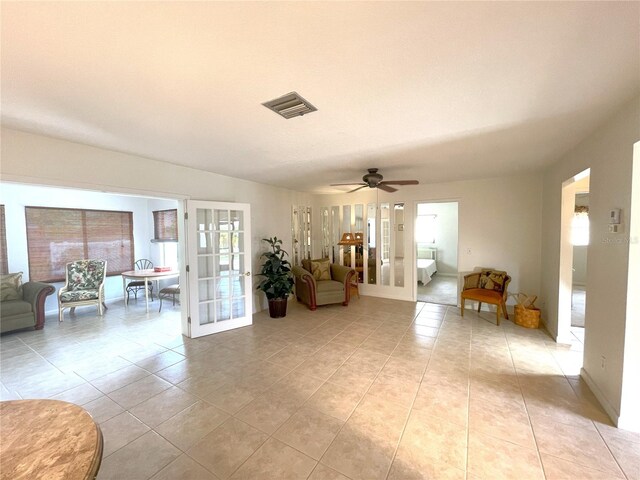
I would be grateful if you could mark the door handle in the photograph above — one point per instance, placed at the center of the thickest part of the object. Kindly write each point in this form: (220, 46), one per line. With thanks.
(248, 274)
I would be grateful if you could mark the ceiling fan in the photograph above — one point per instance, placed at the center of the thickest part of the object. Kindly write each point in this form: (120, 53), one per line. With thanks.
(374, 180)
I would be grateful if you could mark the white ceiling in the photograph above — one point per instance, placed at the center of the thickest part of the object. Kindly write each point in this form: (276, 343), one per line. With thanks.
(434, 91)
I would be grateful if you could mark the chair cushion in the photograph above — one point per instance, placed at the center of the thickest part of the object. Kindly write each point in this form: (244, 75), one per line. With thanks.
(321, 270)
(15, 307)
(482, 295)
(171, 289)
(85, 274)
(492, 280)
(79, 295)
(306, 263)
(139, 283)
(329, 286)
(11, 287)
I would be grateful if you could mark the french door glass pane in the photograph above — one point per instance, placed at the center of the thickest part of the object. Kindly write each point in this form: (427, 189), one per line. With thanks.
(221, 265)
(204, 221)
(206, 290)
(205, 266)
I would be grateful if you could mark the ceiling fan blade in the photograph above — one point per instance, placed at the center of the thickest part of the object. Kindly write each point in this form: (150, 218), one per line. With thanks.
(386, 188)
(345, 184)
(359, 188)
(400, 182)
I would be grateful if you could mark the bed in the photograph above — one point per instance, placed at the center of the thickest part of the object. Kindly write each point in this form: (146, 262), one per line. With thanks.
(426, 264)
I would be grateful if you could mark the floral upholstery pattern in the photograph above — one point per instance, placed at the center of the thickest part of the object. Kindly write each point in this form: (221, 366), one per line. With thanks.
(85, 274)
(77, 295)
(85, 286)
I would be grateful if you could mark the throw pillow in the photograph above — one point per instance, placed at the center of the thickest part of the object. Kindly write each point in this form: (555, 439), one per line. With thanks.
(492, 280)
(306, 264)
(321, 270)
(11, 286)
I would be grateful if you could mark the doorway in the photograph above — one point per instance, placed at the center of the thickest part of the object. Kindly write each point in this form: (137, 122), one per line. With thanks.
(574, 242)
(436, 249)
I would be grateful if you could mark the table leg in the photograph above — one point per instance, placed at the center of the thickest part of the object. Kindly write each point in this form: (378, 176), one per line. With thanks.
(124, 291)
(146, 293)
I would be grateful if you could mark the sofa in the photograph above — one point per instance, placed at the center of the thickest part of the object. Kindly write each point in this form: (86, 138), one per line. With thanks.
(22, 304)
(319, 282)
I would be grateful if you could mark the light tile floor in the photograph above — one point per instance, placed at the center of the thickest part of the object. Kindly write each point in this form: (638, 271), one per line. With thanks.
(380, 389)
(441, 289)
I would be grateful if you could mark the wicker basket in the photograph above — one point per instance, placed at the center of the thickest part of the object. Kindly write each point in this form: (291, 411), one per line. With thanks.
(526, 313)
(527, 317)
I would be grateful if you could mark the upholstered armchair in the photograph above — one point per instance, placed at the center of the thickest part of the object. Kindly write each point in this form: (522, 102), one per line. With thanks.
(319, 282)
(84, 286)
(486, 286)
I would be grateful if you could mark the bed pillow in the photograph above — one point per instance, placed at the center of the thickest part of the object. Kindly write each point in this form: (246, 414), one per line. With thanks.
(321, 270)
(11, 286)
(493, 280)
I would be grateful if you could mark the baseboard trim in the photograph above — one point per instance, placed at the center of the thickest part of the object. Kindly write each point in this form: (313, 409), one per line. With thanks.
(608, 408)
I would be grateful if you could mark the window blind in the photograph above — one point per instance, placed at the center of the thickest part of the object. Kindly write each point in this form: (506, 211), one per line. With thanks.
(4, 262)
(165, 225)
(56, 236)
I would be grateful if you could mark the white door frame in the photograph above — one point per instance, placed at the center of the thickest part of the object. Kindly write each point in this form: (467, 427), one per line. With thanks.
(565, 274)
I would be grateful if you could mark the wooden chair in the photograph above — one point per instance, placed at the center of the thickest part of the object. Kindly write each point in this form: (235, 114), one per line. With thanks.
(486, 286)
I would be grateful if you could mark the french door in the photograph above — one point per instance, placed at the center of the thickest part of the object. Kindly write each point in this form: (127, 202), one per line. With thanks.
(219, 266)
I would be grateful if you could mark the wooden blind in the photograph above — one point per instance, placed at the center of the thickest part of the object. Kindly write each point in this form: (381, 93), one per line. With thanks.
(165, 225)
(56, 236)
(4, 262)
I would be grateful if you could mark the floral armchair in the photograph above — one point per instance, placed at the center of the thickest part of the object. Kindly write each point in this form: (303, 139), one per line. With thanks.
(84, 286)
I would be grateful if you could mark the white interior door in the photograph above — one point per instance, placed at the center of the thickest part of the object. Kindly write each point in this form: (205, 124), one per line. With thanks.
(219, 266)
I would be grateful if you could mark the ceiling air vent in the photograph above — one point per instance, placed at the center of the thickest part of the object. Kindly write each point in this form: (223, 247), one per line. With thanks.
(290, 105)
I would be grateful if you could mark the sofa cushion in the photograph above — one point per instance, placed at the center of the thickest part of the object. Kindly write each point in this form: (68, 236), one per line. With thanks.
(11, 286)
(15, 307)
(321, 270)
(78, 295)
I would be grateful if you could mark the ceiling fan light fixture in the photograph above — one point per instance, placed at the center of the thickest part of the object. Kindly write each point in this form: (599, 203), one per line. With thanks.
(290, 105)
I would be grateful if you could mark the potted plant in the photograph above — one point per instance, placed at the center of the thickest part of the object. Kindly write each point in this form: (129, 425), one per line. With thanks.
(278, 279)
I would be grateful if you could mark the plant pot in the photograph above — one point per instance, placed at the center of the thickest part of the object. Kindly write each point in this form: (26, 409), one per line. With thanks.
(278, 307)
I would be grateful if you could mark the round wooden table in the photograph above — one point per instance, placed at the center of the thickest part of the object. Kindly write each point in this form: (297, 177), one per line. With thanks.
(48, 439)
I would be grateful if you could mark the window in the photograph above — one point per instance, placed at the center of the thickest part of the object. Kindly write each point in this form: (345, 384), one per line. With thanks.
(426, 229)
(165, 225)
(580, 228)
(56, 236)
(4, 263)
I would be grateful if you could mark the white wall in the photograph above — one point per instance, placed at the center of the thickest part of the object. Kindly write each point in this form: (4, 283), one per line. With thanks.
(43, 160)
(16, 196)
(446, 234)
(608, 152)
(499, 221)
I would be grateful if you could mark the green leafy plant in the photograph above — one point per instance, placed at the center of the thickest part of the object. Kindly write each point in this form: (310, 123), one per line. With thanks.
(276, 270)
